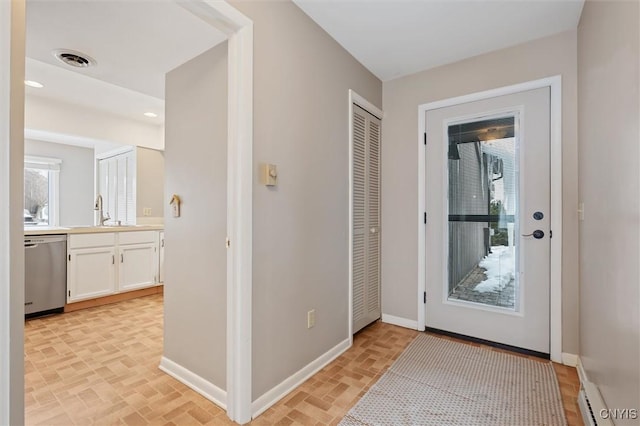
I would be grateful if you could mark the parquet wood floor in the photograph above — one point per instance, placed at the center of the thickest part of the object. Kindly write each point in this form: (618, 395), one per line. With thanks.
(100, 366)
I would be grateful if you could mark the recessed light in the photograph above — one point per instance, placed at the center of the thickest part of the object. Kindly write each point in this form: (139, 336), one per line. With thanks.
(150, 114)
(32, 83)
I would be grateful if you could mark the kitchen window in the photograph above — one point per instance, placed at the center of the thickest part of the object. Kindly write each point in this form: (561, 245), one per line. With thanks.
(41, 189)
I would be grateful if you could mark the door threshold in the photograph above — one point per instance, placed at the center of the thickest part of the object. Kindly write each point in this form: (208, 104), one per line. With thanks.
(509, 348)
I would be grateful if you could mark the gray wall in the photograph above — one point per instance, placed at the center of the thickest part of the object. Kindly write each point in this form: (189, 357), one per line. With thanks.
(77, 176)
(529, 61)
(195, 257)
(608, 59)
(12, 48)
(300, 228)
(150, 184)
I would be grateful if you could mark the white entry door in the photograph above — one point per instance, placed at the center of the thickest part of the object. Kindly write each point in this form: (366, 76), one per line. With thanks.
(366, 218)
(488, 219)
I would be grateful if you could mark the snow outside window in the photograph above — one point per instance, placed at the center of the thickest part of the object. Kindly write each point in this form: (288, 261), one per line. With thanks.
(41, 189)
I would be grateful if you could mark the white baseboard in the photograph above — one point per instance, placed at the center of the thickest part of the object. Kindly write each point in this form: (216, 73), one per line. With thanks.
(570, 359)
(195, 382)
(399, 321)
(272, 396)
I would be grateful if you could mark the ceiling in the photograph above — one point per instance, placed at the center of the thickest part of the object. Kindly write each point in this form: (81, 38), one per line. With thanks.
(133, 42)
(136, 42)
(393, 38)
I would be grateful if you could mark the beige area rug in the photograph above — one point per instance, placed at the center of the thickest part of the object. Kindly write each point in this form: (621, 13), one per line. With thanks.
(440, 382)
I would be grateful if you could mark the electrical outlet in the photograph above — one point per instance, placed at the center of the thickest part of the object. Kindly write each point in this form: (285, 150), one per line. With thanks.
(146, 211)
(311, 318)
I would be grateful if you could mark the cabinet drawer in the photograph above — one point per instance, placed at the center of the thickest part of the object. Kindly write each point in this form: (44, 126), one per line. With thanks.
(137, 237)
(91, 240)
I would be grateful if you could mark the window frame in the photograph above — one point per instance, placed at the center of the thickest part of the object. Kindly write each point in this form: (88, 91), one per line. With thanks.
(53, 166)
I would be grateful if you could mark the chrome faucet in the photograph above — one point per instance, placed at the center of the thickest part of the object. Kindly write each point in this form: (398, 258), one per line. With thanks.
(98, 208)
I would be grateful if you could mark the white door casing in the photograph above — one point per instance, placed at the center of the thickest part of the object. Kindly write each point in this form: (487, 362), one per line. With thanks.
(239, 30)
(555, 84)
(526, 325)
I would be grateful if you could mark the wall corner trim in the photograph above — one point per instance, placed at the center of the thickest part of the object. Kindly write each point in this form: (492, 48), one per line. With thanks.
(582, 375)
(272, 396)
(399, 321)
(195, 382)
(570, 359)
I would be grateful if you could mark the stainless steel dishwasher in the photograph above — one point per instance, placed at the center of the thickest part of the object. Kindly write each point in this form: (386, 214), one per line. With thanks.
(45, 275)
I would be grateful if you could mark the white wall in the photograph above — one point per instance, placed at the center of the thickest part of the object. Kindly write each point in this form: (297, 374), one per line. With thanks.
(529, 61)
(609, 114)
(59, 118)
(12, 48)
(76, 192)
(149, 185)
(300, 227)
(195, 257)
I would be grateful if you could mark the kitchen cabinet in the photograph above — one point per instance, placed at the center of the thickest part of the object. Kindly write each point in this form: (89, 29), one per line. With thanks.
(91, 266)
(116, 184)
(161, 257)
(138, 252)
(102, 264)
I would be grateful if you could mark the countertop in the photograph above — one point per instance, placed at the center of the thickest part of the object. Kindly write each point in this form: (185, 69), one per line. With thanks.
(53, 230)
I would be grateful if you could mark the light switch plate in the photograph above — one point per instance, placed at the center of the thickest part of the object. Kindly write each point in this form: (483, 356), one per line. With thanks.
(311, 318)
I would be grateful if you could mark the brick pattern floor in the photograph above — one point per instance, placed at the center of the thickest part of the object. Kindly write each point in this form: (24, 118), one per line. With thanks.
(100, 366)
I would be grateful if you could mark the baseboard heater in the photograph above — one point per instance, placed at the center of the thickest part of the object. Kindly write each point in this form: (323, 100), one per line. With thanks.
(592, 405)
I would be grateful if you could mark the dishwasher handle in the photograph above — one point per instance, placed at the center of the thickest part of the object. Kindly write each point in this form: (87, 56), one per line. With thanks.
(29, 246)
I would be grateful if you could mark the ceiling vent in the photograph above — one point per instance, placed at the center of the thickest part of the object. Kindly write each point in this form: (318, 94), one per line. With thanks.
(74, 58)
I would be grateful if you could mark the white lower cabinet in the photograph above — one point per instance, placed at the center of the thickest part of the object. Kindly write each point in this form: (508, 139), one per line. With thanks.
(90, 273)
(108, 263)
(138, 260)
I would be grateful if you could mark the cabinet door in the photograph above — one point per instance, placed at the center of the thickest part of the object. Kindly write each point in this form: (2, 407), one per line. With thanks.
(138, 266)
(107, 181)
(126, 189)
(90, 273)
(161, 249)
(117, 185)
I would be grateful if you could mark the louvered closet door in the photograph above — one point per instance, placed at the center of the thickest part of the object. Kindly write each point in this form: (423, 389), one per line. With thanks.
(366, 218)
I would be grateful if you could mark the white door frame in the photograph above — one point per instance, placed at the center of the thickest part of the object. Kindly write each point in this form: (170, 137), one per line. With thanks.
(239, 30)
(555, 308)
(354, 98)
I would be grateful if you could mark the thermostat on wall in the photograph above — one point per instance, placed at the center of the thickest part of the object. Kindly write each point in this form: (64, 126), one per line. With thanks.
(268, 174)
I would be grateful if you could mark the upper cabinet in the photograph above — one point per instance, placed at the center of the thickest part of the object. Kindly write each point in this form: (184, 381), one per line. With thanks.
(116, 184)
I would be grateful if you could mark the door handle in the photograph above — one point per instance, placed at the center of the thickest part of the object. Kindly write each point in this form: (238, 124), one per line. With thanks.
(121, 258)
(537, 234)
